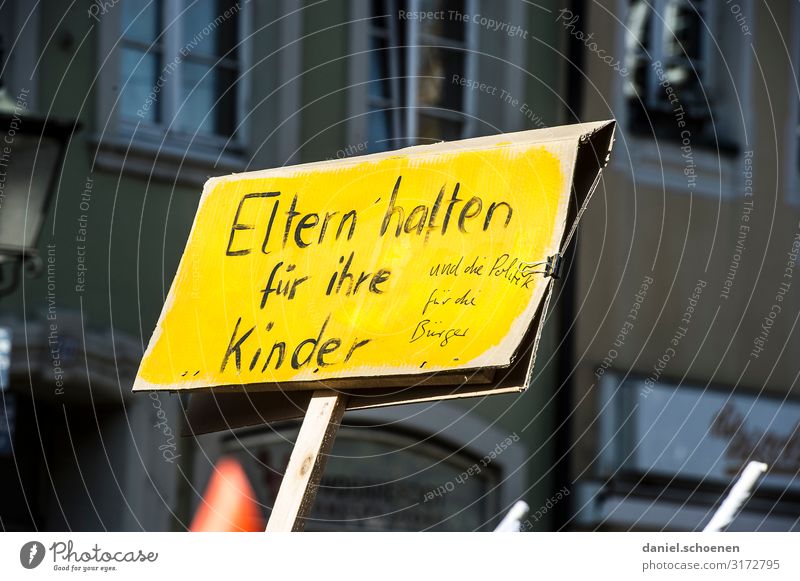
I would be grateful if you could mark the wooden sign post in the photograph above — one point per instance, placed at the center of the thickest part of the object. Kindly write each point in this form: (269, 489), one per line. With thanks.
(314, 442)
(407, 276)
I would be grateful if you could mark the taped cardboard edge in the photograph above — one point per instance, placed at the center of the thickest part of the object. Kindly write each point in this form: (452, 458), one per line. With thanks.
(594, 152)
(211, 411)
(532, 137)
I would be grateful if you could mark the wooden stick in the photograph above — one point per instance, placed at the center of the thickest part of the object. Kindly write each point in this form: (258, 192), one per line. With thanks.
(303, 474)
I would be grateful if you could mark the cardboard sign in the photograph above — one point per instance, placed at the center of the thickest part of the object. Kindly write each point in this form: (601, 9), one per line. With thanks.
(415, 268)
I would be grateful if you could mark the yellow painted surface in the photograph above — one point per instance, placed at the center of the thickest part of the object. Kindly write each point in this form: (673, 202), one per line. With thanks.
(446, 293)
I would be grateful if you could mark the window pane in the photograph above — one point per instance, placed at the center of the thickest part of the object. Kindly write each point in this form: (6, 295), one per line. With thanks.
(225, 113)
(380, 130)
(433, 129)
(201, 86)
(449, 23)
(381, 13)
(683, 31)
(140, 95)
(141, 20)
(677, 40)
(379, 69)
(210, 28)
(437, 67)
(637, 47)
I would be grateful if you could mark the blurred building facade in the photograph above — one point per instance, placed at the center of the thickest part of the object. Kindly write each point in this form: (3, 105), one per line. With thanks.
(170, 92)
(686, 345)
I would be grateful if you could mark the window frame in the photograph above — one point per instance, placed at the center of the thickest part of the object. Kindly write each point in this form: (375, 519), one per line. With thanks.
(359, 102)
(657, 53)
(412, 72)
(154, 149)
(660, 163)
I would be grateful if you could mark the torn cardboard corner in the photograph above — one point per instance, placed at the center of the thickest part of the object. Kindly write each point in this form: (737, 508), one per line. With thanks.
(230, 407)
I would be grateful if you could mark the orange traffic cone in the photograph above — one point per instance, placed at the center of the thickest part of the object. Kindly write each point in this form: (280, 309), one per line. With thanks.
(229, 504)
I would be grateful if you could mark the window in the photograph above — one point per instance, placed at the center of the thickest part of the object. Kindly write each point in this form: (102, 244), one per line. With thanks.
(180, 64)
(173, 83)
(672, 58)
(411, 95)
(685, 102)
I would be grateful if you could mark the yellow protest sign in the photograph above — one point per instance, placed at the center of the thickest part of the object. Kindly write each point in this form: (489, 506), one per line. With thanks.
(421, 261)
